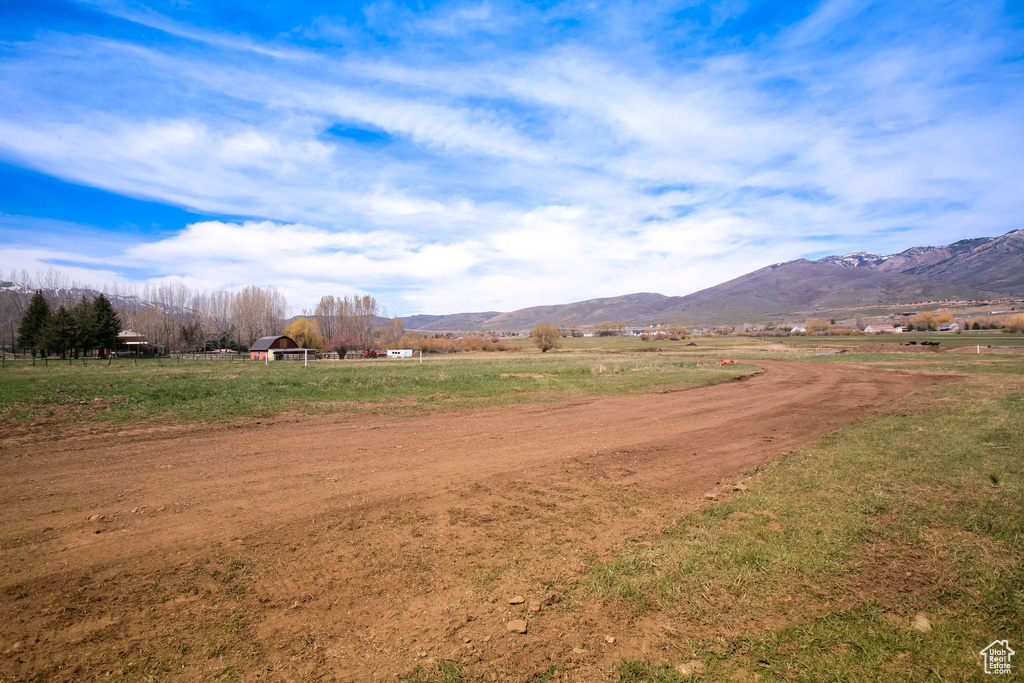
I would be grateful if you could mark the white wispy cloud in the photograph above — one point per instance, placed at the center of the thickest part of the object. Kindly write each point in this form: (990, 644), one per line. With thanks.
(598, 150)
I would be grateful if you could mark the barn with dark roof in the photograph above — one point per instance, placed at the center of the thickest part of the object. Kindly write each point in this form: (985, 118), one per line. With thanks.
(274, 348)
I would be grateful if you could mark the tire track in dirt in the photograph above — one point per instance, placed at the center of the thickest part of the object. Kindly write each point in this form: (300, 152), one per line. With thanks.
(368, 541)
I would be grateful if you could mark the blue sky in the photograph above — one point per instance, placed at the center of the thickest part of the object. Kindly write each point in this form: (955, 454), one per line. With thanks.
(458, 156)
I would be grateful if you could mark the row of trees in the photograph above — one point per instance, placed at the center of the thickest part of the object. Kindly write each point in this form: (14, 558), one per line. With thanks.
(345, 323)
(354, 319)
(170, 314)
(86, 326)
(175, 317)
(178, 318)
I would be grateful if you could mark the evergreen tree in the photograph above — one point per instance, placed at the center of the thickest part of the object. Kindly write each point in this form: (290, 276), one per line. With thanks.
(30, 332)
(59, 333)
(83, 333)
(105, 324)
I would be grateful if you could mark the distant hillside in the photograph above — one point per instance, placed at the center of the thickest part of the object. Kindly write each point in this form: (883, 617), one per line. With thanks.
(991, 263)
(973, 269)
(629, 308)
(448, 323)
(775, 291)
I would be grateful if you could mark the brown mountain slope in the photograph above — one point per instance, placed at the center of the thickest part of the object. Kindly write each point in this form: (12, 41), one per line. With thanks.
(979, 268)
(991, 263)
(448, 323)
(996, 264)
(630, 308)
(803, 285)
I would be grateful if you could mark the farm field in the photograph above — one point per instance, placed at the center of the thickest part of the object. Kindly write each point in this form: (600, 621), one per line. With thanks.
(378, 521)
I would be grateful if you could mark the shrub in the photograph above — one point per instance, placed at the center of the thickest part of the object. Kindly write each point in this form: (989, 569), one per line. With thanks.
(446, 345)
(410, 340)
(342, 344)
(546, 337)
(1015, 325)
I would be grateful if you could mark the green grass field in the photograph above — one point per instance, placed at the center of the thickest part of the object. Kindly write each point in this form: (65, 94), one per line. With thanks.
(819, 571)
(214, 391)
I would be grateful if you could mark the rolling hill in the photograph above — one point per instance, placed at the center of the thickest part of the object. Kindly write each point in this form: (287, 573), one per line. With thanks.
(775, 292)
(444, 323)
(991, 263)
(974, 269)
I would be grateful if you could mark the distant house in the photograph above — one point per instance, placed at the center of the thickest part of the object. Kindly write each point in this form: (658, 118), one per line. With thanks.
(132, 339)
(798, 330)
(276, 348)
(132, 343)
(948, 327)
(879, 329)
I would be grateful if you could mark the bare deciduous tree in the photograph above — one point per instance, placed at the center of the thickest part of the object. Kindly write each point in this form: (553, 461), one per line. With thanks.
(391, 333)
(257, 312)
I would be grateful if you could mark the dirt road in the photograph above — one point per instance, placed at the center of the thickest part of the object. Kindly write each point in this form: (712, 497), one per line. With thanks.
(345, 548)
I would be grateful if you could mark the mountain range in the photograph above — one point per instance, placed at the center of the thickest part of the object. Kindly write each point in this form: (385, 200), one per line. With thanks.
(976, 269)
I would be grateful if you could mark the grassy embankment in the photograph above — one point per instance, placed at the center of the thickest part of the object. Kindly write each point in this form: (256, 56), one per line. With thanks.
(820, 570)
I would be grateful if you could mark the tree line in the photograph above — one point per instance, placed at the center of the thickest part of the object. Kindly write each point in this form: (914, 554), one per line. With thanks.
(86, 326)
(175, 317)
(339, 324)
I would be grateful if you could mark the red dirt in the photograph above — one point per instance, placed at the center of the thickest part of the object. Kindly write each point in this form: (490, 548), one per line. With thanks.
(354, 548)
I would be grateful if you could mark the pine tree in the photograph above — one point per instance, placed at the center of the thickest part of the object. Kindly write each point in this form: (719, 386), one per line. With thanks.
(58, 334)
(105, 324)
(32, 324)
(83, 334)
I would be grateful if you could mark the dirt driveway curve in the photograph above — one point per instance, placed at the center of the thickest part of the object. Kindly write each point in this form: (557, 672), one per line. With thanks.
(352, 548)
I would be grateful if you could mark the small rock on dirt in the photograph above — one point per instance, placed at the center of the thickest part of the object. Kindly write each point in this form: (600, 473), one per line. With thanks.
(739, 487)
(551, 599)
(517, 626)
(517, 600)
(610, 640)
(693, 667)
(535, 605)
(579, 651)
(921, 623)
(710, 496)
